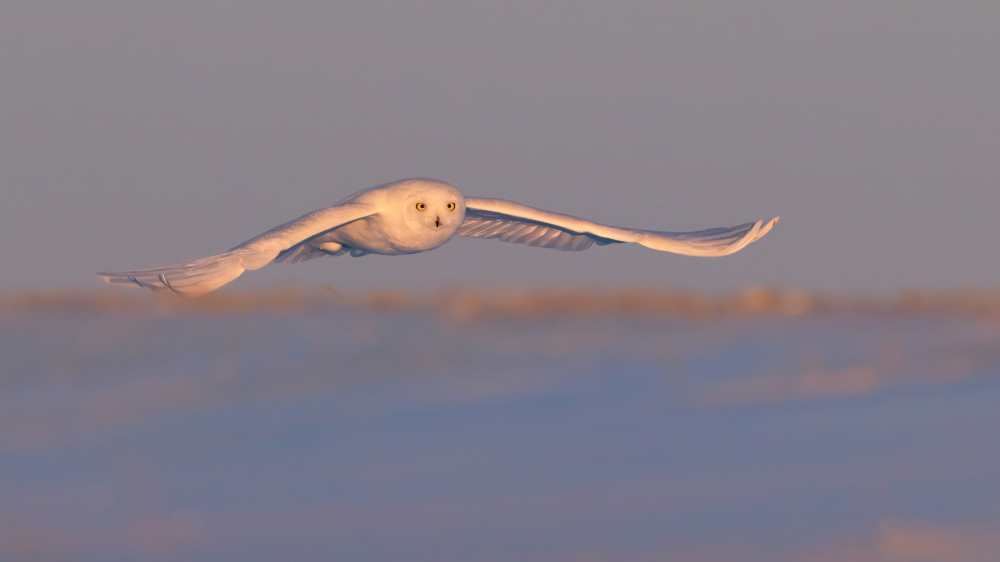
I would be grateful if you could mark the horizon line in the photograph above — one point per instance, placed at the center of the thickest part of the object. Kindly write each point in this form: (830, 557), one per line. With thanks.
(513, 302)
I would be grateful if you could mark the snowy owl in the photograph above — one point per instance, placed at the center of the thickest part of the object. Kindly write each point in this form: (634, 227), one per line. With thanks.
(416, 215)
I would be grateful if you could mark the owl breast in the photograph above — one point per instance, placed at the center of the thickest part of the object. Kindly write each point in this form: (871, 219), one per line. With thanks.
(376, 235)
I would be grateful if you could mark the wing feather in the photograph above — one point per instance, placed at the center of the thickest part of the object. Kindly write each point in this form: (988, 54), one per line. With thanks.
(484, 224)
(318, 246)
(521, 224)
(189, 279)
(207, 274)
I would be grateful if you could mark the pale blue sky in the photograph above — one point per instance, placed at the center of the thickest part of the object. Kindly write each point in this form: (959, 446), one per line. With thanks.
(136, 134)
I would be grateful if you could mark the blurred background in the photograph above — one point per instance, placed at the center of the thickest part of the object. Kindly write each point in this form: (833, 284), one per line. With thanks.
(135, 134)
(488, 401)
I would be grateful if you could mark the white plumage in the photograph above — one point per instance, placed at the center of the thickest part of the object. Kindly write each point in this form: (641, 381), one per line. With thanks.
(416, 215)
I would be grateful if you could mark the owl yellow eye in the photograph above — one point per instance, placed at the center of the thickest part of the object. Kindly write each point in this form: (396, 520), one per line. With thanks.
(421, 206)
(451, 206)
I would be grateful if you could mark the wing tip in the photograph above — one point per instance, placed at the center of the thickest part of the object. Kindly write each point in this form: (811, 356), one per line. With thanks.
(189, 279)
(118, 278)
(765, 228)
(131, 279)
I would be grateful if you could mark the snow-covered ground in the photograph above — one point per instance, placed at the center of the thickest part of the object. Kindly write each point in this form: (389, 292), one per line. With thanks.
(352, 434)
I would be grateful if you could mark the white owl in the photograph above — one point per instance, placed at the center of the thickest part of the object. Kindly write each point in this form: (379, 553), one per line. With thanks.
(416, 215)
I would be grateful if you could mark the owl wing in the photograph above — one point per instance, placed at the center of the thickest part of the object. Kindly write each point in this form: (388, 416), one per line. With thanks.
(207, 274)
(521, 224)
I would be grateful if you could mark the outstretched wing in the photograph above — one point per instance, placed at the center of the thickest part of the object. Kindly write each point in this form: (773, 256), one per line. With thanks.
(521, 224)
(207, 274)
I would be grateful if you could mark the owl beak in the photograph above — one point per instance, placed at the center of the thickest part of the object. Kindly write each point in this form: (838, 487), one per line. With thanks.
(437, 222)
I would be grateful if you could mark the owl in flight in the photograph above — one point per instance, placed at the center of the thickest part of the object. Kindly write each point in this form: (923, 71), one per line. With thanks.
(416, 215)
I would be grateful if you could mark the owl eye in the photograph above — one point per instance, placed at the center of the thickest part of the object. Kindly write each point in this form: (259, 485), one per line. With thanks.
(421, 206)
(451, 206)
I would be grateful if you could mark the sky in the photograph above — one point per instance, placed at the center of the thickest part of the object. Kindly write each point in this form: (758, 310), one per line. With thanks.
(138, 134)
